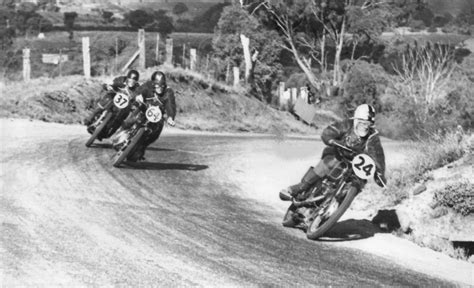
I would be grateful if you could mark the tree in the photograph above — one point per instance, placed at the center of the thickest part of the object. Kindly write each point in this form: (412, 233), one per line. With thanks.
(180, 8)
(227, 46)
(139, 18)
(69, 18)
(107, 16)
(308, 25)
(162, 23)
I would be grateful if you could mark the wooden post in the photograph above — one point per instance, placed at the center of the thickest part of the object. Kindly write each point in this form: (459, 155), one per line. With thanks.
(184, 56)
(60, 64)
(116, 55)
(157, 49)
(26, 65)
(141, 47)
(281, 91)
(86, 57)
(206, 72)
(169, 51)
(236, 76)
(248, 61)
(193, 59)
(227, 73)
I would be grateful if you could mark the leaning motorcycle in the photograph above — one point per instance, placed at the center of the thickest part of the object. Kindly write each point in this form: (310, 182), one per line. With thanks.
(110, 119)
(127, 142)
(317, 209)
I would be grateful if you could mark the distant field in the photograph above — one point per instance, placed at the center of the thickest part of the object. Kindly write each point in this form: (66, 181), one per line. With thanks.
(102, 51)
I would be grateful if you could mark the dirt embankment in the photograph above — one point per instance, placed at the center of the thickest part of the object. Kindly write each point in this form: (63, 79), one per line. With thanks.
(202, 104)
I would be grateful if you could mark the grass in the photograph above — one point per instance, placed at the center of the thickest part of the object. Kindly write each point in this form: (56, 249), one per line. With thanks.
(459, 196)
(426, 156)
(203, 104)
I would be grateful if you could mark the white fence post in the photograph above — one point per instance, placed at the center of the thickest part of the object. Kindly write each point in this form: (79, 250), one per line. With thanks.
(193, 59)
(141, 48)
(26, 65)
(169, 51)
(86, 57)
(236, 76)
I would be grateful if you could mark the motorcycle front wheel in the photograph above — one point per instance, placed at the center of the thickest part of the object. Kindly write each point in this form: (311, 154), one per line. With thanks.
(99, 129)
(125, 151)
(318, 226)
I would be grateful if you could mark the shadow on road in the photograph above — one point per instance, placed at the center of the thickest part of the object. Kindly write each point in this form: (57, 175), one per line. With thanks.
(159, 149)
(165, 166)
(102, 145)
(351, 229)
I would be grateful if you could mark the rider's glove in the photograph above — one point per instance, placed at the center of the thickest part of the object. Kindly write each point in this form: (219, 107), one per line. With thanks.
(380, 179)
(170, 121)
(107, 87)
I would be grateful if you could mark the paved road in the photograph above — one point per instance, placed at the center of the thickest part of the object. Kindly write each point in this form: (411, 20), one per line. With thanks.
(179, 218)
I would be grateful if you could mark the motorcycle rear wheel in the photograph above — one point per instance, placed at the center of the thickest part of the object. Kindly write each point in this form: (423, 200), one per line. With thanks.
(123, 153)
(317, 227)
(99, 129)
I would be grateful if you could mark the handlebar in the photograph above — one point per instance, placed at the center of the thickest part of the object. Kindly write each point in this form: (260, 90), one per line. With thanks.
(342, 146)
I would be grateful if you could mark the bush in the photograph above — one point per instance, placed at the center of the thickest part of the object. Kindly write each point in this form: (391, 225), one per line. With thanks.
(363, 83)
(458, 196)
(429, 154)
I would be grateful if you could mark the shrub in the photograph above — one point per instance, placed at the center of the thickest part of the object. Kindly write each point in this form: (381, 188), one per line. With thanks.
(458, 196)
(363, 83)
(429, 154)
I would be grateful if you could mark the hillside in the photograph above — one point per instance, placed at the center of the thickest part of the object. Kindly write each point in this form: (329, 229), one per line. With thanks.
(202, 104)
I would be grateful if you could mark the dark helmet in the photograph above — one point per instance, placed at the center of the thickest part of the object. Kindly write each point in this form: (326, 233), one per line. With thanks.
(158, 78)
(133, 74)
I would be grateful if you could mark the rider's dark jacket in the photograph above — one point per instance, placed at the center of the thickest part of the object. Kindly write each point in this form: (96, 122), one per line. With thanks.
(121, 82)
(166, 101)
(343, 132)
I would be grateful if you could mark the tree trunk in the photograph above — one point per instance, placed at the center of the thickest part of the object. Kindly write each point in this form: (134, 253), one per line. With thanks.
(337, 57)
(307, 70)
(248, 60)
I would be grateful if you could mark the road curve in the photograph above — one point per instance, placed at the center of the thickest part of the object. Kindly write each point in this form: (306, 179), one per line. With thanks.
(179, 218)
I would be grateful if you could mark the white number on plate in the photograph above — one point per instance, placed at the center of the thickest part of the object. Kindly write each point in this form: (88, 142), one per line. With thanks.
(153, 114)
(363, 166)
(121, 100)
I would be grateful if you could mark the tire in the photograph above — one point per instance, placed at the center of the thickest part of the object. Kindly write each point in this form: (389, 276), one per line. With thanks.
(288, 220)
(99, 129)
(122, 154)
(315, 231)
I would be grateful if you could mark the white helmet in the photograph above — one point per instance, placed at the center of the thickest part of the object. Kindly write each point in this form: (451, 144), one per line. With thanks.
(365, 112)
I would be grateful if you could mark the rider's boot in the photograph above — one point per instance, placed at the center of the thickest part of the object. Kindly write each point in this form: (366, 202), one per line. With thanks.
(309, 179)
(88, 120)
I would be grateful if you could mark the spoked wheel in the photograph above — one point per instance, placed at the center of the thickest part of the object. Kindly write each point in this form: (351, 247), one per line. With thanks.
(99, 129)
(320, 224)
(124, 152)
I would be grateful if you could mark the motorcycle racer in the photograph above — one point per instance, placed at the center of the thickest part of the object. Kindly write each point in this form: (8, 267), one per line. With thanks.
(359, 134)
(129, 81)
(157, 93)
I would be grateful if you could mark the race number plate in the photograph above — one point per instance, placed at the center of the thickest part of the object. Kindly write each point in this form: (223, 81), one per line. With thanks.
(153, 114)
(363, 166)
(121, 100)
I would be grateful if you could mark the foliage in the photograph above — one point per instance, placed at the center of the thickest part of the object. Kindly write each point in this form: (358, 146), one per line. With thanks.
(459, 196)
(107, 16)
(180, 8)
(428, 155)
(363, 83)
(209, 19)
(69, 18)
(227, 46)
(138, 18)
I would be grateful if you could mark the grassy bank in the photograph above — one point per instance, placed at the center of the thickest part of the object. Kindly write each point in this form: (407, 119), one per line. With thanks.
(431, 194)
(202, 104)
